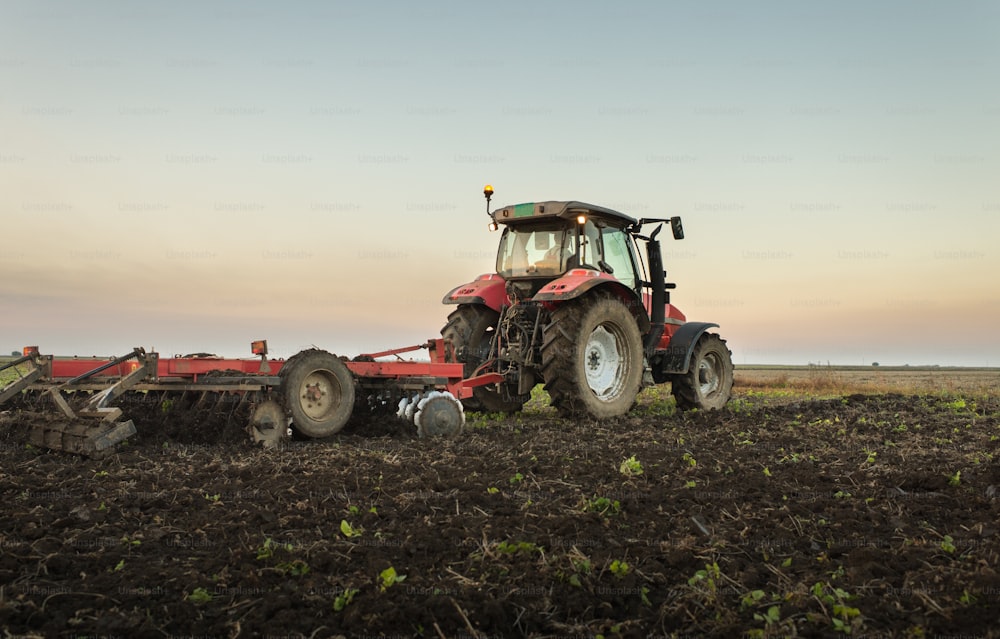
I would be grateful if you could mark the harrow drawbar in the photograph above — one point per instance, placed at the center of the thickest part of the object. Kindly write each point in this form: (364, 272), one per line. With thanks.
(87, 406)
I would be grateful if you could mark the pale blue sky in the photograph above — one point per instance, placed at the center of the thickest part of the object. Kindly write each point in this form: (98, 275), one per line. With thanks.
(311, 173)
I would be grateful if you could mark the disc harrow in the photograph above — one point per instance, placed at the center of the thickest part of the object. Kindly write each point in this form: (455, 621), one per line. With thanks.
(87, 405)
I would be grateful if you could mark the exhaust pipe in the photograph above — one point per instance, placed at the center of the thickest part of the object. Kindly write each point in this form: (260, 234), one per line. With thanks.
(658, 284)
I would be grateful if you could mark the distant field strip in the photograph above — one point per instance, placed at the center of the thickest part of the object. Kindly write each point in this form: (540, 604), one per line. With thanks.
(870, 379)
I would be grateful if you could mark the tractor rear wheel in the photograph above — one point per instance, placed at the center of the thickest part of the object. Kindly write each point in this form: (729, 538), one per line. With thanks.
(318, 391)
(592, 357)
(709, 381)
(470, 330)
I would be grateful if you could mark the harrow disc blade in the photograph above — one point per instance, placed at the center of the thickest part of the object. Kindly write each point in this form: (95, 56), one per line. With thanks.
(439, 414)
(268, 424)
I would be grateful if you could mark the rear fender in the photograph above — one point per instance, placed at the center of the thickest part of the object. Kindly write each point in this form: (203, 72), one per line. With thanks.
(573, 284)
(488, 290)
(677, 357)
(579, 281)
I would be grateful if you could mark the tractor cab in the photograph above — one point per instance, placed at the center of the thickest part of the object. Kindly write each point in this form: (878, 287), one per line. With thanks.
(545, 240)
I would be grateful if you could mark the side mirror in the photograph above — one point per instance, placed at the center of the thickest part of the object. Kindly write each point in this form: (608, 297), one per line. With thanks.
(677, 228)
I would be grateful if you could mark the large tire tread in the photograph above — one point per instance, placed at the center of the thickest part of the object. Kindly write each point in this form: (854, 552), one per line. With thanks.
(686, 387)
(563, 348)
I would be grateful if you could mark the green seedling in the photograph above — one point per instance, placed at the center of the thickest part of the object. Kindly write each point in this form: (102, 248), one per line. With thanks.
(751, 599)
(389, 578)
(199, 596)
(619, 568)
(630, 467)
(267, 550)
(771, 617)
(510, 548)
(707, 581)
(957, 405)
(295, 568)
(349, 531)
(845, 618)
(603, 506)
(344, 599)
(948, 544)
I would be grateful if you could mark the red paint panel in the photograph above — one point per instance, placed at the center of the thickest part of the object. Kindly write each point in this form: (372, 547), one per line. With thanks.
(486, 289)
(572, 280)
(183, 367)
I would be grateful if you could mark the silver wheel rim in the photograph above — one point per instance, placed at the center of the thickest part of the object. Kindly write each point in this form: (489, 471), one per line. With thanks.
(603, 363)
(319, 395)
(709, 377)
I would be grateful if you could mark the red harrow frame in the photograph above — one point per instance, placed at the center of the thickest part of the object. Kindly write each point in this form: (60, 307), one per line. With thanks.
(80, 404)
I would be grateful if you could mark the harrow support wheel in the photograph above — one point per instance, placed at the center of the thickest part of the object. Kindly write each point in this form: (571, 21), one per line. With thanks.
(318, 391)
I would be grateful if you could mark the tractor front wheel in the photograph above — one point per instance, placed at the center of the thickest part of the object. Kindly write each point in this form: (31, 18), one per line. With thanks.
(708, 383)
(318, 392)
(592, 357)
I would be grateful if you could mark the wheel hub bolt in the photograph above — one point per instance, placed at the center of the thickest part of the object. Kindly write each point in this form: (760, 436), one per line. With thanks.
(313, 393)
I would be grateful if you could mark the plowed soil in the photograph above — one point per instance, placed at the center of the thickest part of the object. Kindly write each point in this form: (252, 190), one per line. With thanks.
(869, 515)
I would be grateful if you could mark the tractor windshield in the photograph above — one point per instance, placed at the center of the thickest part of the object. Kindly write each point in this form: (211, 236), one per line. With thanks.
(535, 251)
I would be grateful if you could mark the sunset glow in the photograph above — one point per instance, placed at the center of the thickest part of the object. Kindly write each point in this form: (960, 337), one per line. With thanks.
(193, 176)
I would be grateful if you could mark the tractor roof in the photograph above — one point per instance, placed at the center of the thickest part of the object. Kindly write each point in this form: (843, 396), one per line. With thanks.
(517, 213)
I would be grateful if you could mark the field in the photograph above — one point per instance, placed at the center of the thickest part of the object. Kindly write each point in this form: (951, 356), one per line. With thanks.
(821, 502)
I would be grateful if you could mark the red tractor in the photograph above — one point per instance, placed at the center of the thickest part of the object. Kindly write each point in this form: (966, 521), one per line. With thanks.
(573, 306)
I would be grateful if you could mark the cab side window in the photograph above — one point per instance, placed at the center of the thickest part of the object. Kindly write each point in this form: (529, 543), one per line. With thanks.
(618, 256)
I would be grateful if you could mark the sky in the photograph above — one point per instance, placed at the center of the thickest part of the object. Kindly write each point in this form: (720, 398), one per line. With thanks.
(191, 176)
